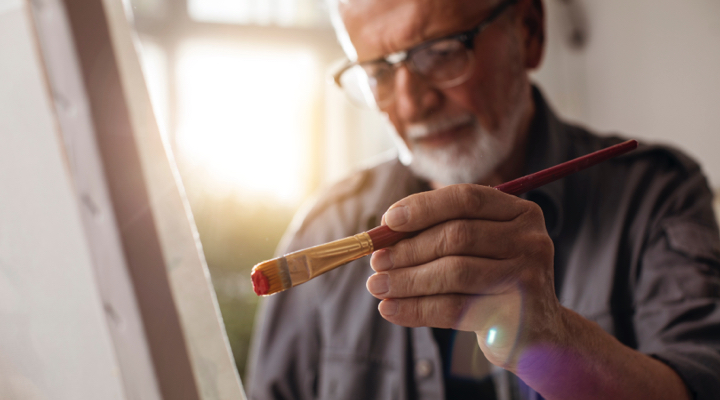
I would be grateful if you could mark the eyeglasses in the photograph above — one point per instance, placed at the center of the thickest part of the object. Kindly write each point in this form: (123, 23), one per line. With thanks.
(445, 62)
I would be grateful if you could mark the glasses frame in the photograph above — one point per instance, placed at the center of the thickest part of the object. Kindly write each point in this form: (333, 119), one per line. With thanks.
(467, 38)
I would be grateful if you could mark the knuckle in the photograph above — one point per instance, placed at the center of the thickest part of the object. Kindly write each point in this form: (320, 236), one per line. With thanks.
(463, 191)
(469, 195)
(405, 253)
(535, 213)
(458, 276)
(442, 245)
(543, 246)
(400, 283)
(411, 254)
(423, 313)
(458, 235)
(531, 218)
(408, 279)
(531, 209)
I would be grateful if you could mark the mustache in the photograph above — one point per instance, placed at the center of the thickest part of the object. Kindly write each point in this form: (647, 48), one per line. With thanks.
(425, 129)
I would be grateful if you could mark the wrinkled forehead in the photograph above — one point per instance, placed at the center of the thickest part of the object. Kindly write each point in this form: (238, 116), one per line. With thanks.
(380, 27)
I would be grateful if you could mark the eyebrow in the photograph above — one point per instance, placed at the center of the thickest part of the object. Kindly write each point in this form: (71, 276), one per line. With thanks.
(491, 15)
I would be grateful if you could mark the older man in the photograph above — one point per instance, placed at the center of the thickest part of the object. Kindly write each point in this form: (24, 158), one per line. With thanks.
(605, 285)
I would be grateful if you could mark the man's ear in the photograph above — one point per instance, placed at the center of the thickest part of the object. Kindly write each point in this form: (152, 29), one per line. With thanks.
(532, 14)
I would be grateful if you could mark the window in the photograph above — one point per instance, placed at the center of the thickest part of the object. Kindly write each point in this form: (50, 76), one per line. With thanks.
(305, 13)
(245, 117)
(239, 88)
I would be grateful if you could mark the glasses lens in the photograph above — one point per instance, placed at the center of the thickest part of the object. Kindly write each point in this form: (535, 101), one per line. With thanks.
(445, 62)
(381, 79)
(356, 85)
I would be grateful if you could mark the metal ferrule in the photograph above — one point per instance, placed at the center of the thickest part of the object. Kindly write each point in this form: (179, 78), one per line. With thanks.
(306, 264)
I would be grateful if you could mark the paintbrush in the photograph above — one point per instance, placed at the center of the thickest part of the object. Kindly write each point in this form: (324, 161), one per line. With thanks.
(284, 272)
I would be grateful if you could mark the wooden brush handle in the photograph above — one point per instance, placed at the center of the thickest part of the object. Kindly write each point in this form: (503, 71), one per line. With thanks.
(533, 181)
(383, 237)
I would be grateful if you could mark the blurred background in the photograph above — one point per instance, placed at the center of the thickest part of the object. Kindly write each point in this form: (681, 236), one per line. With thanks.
(241, 93)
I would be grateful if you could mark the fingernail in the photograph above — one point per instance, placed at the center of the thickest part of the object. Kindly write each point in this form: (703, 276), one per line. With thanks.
(378, 284)
(397, 216)
(388, 307)
(381, 260)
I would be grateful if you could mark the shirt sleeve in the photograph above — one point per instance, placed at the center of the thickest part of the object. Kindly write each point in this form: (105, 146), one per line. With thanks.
(286, 343)
(285, 348)
(677, 296)
(286, 356)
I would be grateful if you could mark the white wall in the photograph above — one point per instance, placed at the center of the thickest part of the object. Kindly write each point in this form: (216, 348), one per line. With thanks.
(651, 70)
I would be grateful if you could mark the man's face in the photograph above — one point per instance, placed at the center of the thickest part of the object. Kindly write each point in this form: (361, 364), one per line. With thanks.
(466, 132)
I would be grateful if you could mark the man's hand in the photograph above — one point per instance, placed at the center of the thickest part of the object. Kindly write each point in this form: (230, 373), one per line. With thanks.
(482, 262)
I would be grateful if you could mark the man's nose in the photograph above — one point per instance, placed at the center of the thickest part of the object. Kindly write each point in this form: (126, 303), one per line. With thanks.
(415, 97)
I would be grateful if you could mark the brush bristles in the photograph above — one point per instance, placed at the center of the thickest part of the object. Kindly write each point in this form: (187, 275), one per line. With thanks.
(271, 276)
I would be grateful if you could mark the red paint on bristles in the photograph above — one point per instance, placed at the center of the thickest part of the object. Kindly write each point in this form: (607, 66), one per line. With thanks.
(260, 283)
(383, 237)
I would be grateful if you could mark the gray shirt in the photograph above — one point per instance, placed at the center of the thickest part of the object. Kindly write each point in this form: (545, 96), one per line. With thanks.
(636, 250)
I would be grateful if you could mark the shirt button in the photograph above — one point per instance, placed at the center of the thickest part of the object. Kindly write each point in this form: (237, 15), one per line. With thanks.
(423, 368)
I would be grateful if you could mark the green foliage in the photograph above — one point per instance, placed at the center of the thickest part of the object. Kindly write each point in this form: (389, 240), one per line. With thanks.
(236, 234)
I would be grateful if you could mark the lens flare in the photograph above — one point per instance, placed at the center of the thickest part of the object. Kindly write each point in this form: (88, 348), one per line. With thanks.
(492, 333)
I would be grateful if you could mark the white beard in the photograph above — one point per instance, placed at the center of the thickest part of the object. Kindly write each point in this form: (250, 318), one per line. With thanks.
(465, 161)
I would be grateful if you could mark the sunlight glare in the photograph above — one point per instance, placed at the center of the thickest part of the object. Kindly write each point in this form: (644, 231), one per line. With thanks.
(245, 116)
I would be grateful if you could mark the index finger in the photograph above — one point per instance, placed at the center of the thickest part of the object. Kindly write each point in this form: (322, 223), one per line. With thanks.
(466, 201)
